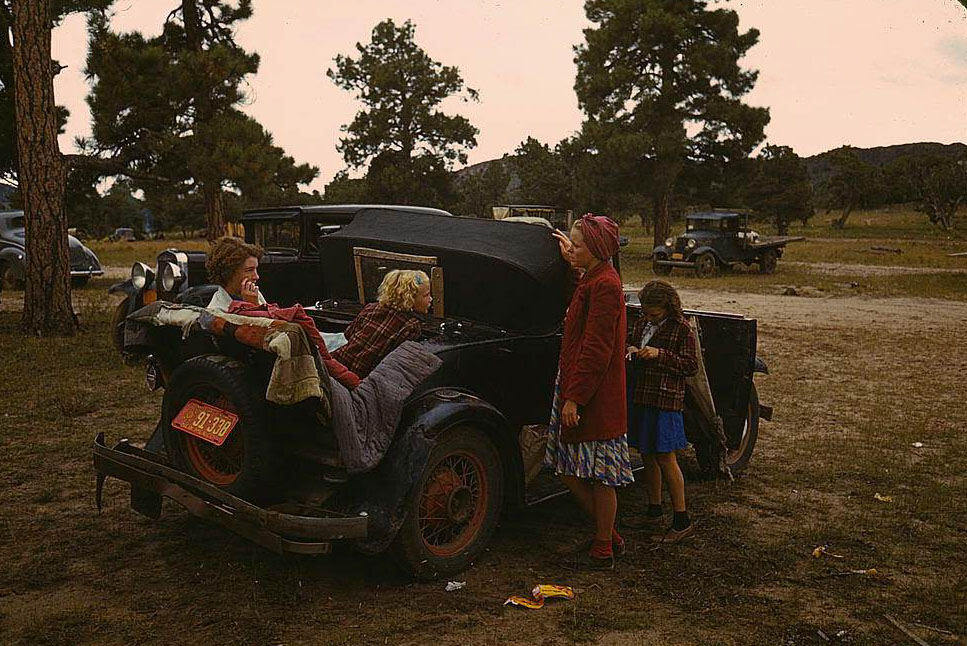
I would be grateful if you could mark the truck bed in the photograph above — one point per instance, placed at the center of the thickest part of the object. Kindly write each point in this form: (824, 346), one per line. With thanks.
(766, 242)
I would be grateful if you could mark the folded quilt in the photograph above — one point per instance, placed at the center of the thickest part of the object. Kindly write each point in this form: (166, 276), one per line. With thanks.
(298, 372)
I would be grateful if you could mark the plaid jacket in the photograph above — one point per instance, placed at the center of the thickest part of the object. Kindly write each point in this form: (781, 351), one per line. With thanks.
(375, 332)
(660, 382)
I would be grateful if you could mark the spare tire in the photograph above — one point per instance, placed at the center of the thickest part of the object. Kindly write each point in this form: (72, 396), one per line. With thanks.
(248, 464)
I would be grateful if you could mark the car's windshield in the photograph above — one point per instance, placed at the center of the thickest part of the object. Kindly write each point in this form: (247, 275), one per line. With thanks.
(698, 224)
(276, 234)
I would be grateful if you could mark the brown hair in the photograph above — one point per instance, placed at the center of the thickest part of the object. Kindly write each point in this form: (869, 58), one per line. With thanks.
(658, 293)
(226, 256)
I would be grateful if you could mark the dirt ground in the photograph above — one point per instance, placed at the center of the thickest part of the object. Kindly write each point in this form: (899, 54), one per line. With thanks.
(855, 383)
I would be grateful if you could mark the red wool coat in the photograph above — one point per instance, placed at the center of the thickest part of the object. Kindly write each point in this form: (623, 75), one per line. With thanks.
(592, 357)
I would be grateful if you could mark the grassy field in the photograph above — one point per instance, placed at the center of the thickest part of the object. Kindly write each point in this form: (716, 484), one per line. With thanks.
(866, 456)
(850, 401)
(125, 254)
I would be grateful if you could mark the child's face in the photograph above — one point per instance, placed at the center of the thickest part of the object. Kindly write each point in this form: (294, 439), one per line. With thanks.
(423, 299)
(654, 314)
(248, 271)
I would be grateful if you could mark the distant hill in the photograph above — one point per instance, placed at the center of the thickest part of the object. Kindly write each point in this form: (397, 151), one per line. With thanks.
(819, 167)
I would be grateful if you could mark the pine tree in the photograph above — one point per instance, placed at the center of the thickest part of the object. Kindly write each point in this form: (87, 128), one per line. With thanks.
(648, 69)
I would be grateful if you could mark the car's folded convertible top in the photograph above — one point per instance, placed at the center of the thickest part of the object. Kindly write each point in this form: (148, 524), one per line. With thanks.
(505, 274)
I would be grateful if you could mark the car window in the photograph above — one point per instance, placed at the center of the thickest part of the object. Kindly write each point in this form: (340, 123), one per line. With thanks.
(276, 234)
(317, 229)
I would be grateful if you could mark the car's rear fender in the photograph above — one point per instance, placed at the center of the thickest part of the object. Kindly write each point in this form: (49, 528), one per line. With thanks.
(382, 493)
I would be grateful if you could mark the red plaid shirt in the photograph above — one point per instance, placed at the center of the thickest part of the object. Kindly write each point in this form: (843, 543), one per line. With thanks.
(661, 382)
(373, 334)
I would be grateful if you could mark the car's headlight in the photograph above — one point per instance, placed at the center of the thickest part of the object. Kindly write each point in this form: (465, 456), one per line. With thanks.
(691, 243)
(670, 242)
(141, 275)
(171, 276)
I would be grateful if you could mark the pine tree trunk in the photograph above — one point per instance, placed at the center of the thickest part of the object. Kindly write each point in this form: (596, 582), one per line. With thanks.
(42, 175)
(662, 225)
(215, 209)
(840, 222)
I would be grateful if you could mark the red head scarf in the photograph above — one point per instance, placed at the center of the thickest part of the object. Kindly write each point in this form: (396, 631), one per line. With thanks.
(600, 235)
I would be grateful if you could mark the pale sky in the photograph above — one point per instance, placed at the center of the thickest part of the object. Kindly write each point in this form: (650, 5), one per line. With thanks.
(833, 72)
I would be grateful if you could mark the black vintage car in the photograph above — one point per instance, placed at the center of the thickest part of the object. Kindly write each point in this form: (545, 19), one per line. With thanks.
(500, 293)
(84, 263)
(718, 240)
(290, 269)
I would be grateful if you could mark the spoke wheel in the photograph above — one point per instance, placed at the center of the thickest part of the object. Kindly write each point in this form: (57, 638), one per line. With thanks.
(453, 509)
(706, 266)
(661, 270)
(453, 504)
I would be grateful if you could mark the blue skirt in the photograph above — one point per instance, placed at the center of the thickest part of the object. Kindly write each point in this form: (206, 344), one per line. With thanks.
(652, 430)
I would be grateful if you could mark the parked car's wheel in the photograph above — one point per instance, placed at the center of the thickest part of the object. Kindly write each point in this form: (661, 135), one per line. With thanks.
(8, 278)
(768, 261)
(249, 462)
(738, 457)
(708, 454)
(453, 508)
(706, 266)
(660, 270)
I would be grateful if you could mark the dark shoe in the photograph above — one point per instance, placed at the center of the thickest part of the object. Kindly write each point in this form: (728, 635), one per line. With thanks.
(585, 561)
(674, 535)
(642, 522)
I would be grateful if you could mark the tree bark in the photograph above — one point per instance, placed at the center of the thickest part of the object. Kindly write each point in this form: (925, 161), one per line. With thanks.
(42, 175)
(662, 225)
(215, 209)
(204, 113)
(840, 222)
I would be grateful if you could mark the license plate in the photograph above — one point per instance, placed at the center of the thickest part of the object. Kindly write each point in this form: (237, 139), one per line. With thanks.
(206, 422)
(676, 256)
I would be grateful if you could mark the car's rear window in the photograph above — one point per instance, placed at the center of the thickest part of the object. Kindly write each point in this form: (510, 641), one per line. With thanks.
(17, 223)
(276, 234)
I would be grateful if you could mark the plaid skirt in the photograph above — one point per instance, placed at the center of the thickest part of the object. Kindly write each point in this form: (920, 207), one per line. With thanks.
(607, 461)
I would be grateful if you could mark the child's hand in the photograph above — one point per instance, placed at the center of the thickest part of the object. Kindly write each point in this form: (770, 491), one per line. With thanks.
(630, 352)
(648, 353)
(569, 414)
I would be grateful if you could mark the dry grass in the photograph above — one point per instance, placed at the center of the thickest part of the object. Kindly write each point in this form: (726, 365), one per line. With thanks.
(850, 400)
(125, 254)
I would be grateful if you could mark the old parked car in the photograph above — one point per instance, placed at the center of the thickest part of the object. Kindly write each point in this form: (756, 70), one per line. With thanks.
(500, 291)
(84, 263)
(123, 234)
(290, 270)
(717, 240)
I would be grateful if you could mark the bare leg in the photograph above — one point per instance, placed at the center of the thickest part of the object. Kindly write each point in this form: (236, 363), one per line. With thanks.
(582, 493)
(652, 478)
(605, 510)
(673, 478)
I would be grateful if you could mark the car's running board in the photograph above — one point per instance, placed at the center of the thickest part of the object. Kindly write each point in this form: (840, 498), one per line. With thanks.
(279, 532)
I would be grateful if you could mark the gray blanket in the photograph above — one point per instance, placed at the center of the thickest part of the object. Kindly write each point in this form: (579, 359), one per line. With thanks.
(365, 419)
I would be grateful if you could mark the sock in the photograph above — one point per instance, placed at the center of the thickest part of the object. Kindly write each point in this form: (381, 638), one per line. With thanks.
(616, 537)
(680, 521)
(654, 511)
(601, 549)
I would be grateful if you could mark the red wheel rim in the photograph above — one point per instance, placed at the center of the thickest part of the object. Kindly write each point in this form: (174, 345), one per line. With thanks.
(453, 504)
(219, 465)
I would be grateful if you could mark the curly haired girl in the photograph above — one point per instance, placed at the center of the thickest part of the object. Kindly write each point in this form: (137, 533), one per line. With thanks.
(380, 327)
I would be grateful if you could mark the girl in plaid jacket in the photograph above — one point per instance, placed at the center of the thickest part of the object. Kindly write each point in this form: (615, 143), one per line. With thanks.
(662, 353)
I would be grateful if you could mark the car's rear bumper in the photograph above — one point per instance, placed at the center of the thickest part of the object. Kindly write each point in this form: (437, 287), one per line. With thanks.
(151, 480)
(77, 273)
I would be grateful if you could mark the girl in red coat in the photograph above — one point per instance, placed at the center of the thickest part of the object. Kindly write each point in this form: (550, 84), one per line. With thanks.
(587, 446)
